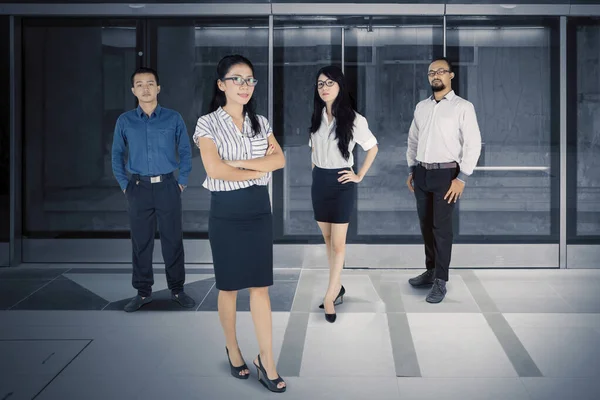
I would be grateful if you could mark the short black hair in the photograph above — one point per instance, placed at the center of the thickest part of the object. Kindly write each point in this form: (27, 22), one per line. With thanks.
(144, 70)
(450, 67)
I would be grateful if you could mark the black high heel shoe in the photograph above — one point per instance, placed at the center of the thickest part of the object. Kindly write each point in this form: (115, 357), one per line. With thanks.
(331, 317)
(266, 382)
(235, 371)
(340, 296)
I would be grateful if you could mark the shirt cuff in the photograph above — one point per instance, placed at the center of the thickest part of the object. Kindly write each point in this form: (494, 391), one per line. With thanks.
(462, 177)
(369, 144)
(411, 169)
(183, 180)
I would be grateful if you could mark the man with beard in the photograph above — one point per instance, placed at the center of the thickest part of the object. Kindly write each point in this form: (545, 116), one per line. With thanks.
(444, 144)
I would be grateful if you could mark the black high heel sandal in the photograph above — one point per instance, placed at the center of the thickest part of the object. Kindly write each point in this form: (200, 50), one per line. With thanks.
(266, 382)
(235, 371)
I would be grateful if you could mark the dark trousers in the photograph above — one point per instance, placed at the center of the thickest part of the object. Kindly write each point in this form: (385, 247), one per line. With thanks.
(150, 203)
(435, 216)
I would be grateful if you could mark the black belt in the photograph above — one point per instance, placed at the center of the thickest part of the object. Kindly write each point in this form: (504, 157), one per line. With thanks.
(152, 179)
(447, 165)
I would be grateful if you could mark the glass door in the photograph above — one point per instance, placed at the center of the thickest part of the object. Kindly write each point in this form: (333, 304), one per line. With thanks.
(386, 61)
(185, 53)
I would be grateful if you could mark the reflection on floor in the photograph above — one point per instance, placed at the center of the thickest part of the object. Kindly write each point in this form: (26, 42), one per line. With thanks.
(499, 334)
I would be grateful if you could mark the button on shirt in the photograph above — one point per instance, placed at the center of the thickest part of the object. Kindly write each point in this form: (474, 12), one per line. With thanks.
(445, 131)
(153, 143)
(326, 153)
(234, 145)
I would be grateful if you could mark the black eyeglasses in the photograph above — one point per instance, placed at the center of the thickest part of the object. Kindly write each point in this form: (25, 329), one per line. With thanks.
(328, 83)
(239, 81)
(438, 72)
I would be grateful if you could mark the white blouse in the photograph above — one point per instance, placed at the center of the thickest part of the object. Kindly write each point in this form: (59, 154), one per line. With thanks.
(233, 145)
(326, 153)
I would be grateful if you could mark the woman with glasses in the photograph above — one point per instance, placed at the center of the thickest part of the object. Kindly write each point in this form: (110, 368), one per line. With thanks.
(335, 129)
(239, 152)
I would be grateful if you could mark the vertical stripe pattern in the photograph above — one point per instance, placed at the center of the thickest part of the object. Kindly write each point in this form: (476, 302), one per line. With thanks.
(233, 145)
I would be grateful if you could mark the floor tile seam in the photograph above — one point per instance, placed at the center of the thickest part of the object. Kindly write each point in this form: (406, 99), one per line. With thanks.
(32, 293)
(473, 279)
(562, 298)
(205, 296)
(62, 369)
(471, 274)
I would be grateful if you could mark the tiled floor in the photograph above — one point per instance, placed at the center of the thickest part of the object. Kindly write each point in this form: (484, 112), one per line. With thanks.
(499, 334)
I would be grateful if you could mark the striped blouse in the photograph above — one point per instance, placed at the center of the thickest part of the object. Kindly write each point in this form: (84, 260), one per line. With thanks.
(233, 145)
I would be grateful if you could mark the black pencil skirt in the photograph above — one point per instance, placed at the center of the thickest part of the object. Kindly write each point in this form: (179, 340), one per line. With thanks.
(332, 201)
(240, 231)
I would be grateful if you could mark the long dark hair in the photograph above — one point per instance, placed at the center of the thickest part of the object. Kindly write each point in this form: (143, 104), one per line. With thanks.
(219, 99)
(341, 109)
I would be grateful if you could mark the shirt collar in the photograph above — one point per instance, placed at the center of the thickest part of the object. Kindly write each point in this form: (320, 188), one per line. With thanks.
(226, 117)
(449, 96)
(324, 117)
(156, 111)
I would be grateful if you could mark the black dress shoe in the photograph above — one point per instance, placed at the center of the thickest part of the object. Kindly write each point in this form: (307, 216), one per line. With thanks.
(437, 292)
(425, 279)
(137, 302)
(183, 299)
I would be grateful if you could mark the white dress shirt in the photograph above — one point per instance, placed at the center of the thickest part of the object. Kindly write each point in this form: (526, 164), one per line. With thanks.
(326, 153)
(233, 145)
(445, 131)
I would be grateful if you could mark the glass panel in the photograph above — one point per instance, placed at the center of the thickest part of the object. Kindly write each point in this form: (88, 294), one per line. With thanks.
(301, 47)
(588, 127)
(508, 68)
(4, 133)
(386, 62)
(187, 56)
(76, 83)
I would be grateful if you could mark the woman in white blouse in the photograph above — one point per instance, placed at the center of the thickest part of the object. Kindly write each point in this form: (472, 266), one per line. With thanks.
(239, 152)
(336, 128)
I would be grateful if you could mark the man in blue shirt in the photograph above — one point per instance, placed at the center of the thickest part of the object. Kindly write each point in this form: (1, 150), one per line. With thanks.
(153, 138)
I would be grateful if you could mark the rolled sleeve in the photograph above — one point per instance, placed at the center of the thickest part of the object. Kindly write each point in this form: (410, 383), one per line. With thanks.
(202, 130)
(266, 126)
(362, 134)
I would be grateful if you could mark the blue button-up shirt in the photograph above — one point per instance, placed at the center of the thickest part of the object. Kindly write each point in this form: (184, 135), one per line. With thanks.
(153, 143)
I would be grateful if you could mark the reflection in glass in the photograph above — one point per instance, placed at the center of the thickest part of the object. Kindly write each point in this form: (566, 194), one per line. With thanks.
(387, 64)
(187, 56)
(588, 128)
(76, 83)
(4, 137)
(505, 68)
(301, 48)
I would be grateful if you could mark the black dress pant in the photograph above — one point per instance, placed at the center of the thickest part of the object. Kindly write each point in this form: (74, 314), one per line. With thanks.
(435, 216)
(150, 203)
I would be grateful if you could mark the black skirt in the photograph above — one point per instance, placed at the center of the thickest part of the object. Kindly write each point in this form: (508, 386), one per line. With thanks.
(240, 231)
(332, 201)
